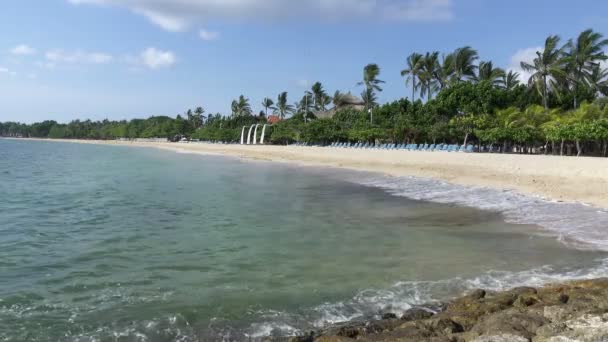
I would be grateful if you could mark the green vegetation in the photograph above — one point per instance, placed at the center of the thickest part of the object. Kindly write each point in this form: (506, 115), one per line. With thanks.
(562, 109)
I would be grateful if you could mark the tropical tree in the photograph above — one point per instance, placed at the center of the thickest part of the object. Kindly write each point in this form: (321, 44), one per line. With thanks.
(198, 118)
(462, 63)
(370, 78)
(267, 104)
(598, 80)
(320, 97)
(282, 107)
(488, 73)
(413, 71)
(429, 68)
(338, 99)
(369, 97)
(582, 56)
(241, 107)
(546, 68)
(510, 80)
(444, 71)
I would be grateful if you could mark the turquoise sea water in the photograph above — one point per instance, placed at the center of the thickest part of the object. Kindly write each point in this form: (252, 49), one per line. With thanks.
(103, 243)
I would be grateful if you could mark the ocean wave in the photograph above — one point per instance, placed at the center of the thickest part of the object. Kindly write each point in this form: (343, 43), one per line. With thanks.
(578, 225)
(372, 303)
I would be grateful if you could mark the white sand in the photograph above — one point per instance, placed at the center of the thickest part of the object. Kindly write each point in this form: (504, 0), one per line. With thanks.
(558, 178)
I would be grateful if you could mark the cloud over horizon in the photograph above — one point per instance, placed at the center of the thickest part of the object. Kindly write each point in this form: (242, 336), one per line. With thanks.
(181, 15)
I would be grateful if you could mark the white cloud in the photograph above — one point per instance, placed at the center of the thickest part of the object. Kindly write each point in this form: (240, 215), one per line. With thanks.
(6, 71)
(179, 15)
(523, 55)
(154, 58)
(208, 35)
(23, 50)
(77, 57)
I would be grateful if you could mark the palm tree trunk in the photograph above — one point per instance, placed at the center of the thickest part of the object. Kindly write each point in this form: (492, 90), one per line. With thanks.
(561, 149)
(579, 150)
(413, 89)
(545, 93)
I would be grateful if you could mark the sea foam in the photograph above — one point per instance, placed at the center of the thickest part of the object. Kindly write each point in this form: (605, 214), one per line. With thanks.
(578, 225)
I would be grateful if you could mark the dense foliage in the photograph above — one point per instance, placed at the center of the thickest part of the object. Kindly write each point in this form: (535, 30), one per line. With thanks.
(560, 110)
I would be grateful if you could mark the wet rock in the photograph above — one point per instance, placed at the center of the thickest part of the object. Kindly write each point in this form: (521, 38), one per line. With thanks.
(500, 338)
(389, 315)
(573, 311)
(416, 314)
(477, 294)
(445, 326)
(511, 322)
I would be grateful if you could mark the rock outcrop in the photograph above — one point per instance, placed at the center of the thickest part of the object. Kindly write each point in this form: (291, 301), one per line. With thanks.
(574, 311)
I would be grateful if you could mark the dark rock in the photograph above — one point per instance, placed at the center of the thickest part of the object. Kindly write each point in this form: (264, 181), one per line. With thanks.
(510, 322)
(389, 315)
(416, 314)
(445, 326)
(563, 298)
(477, 294)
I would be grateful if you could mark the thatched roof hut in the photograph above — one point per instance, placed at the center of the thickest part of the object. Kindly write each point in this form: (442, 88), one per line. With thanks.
(346, 101)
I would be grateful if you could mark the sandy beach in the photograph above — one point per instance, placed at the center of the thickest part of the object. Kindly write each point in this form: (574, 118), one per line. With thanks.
(568, 179)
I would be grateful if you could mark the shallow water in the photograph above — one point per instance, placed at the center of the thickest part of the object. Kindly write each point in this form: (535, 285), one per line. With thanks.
(101, 243)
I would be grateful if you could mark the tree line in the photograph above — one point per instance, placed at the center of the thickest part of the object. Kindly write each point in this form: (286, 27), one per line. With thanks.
(455, 98)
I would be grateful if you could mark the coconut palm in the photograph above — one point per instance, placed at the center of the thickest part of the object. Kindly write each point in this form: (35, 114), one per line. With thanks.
(369, 97)
(282, 107)
(320, 97)
(488, 73)
(337, 99)
(414, 68)
(444, 71)
(370, 79)
(428, 70)
(582, 56)
(241, 107)
(598, 80)
(510, 80)
(267, 103)
(306, 104)
(546, 68)
(463, 63)
(198, 117)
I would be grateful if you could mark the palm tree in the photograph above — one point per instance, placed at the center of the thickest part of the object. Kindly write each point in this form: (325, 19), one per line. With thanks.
(320, 97)
(548, 64)
(198, 117)
(463, 63)
(267, 103)
(598, 80)
(369, 97)
(305, 104)
(337, 99)
(414, 68)
(487, 72)
(582, 56)
(371, 81)
(510, 80)
(241, 107)
(444, 71)
(428, 70)
(282, 108)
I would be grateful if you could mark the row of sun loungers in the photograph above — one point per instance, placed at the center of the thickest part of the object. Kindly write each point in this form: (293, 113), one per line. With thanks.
(407, 147)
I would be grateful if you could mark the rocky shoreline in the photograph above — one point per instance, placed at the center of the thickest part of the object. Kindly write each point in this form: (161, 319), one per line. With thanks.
(573, 311)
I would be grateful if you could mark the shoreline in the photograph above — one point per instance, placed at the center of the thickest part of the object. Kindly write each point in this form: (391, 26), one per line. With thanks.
(564, 179)
(568, 311)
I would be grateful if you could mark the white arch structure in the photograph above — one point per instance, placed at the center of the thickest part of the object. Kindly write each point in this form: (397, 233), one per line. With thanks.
(253, 129)
(263, 134)
(243, 135)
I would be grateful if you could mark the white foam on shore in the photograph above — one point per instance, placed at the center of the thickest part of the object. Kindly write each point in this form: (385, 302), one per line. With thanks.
(576, 224)
(371, 303)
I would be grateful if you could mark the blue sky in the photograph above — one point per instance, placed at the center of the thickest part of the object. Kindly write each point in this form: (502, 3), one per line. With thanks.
(121, 59)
